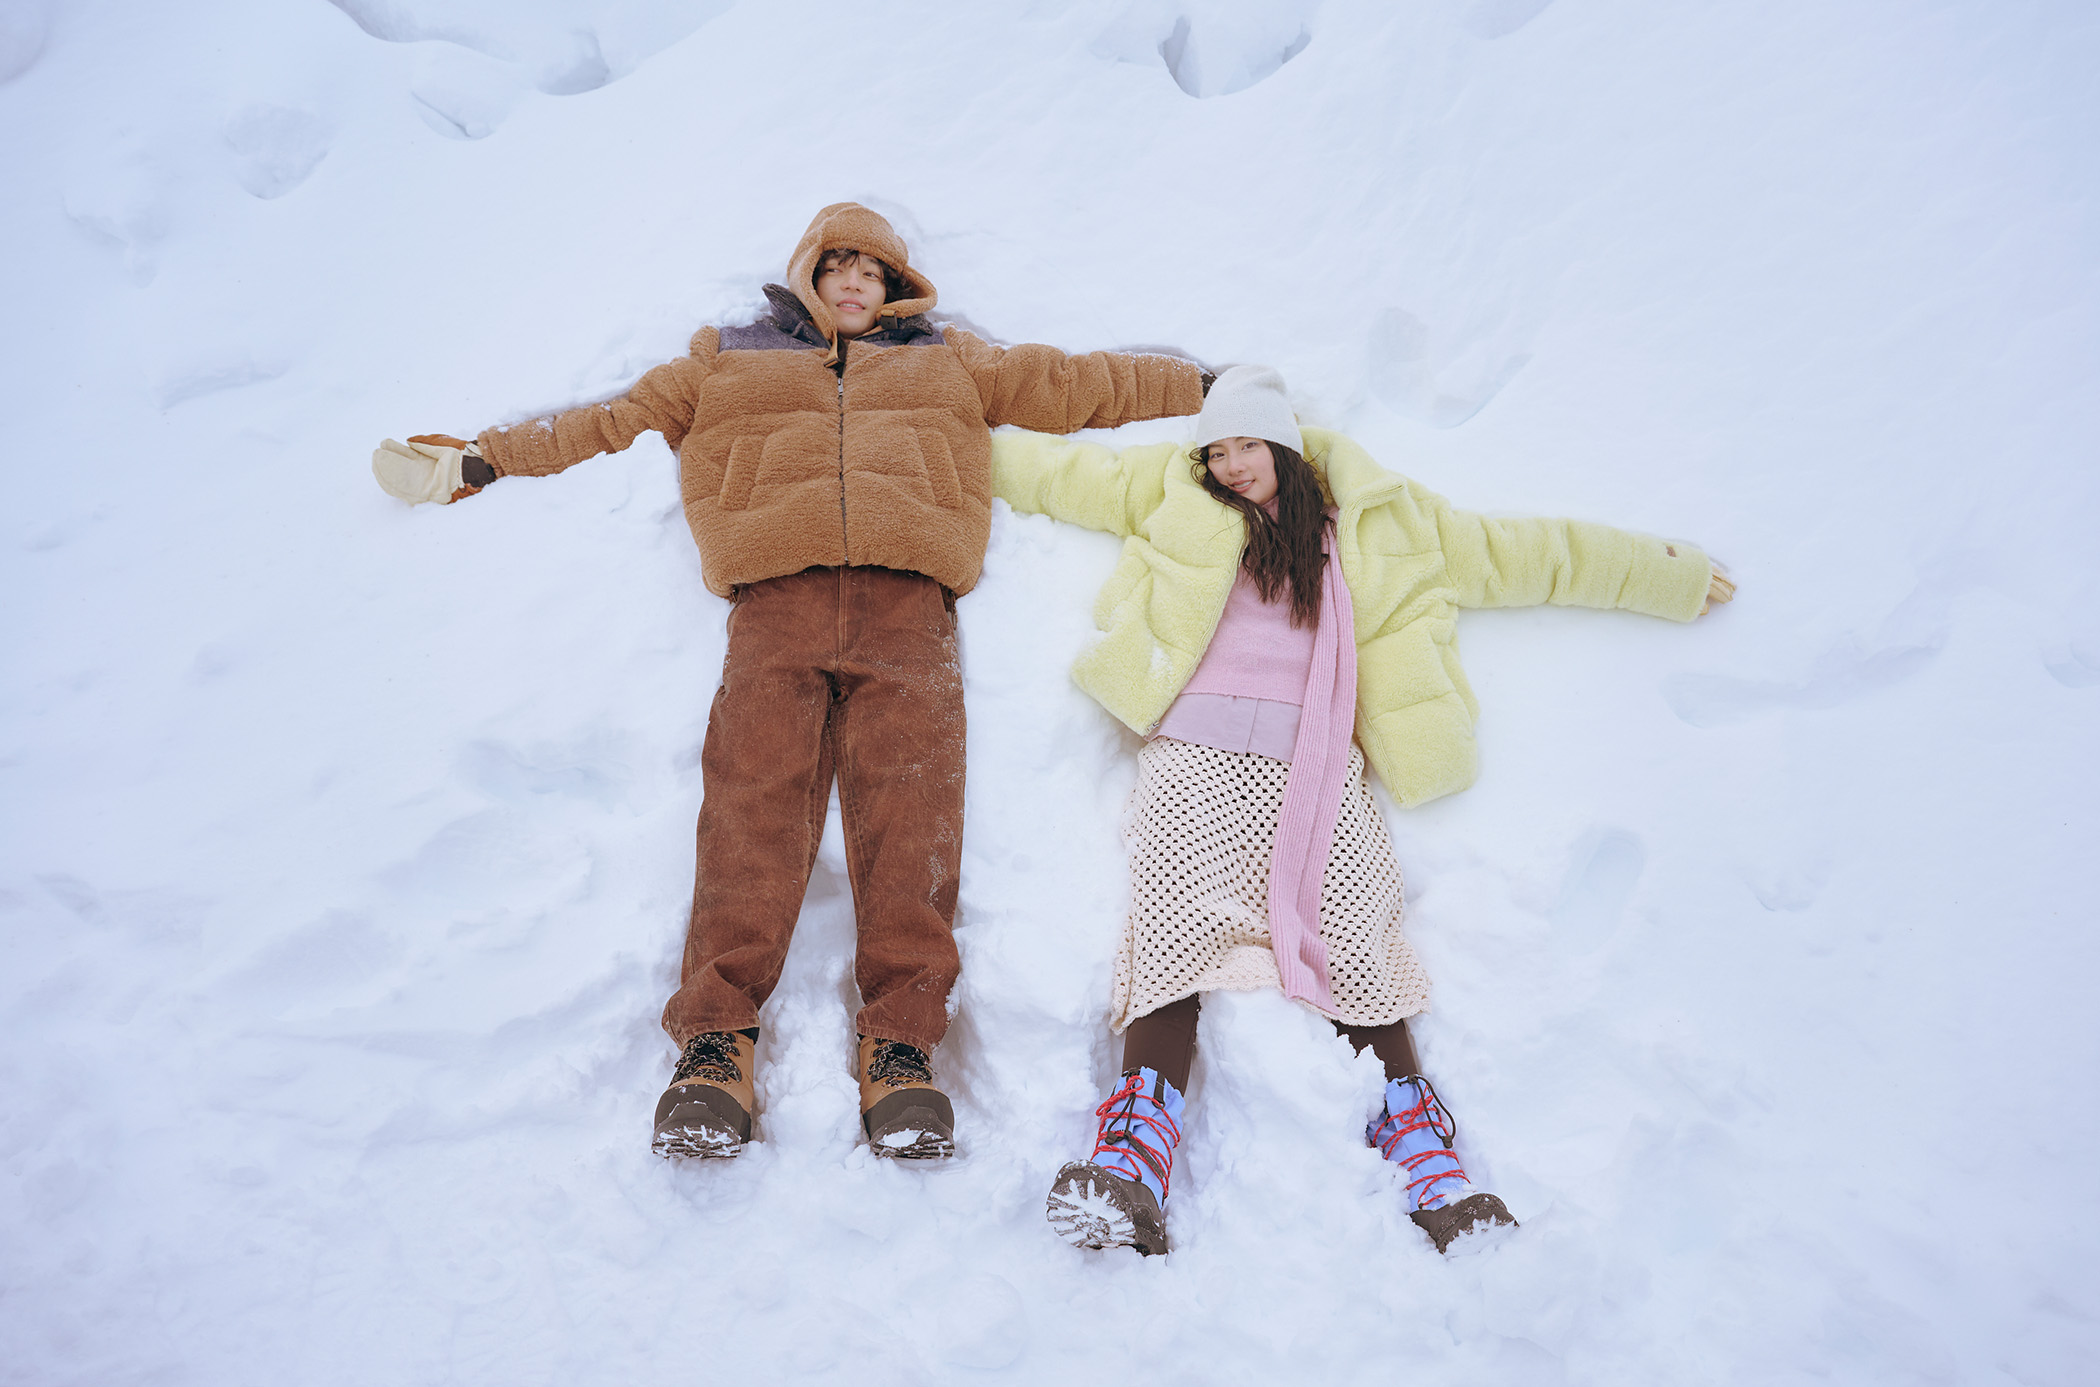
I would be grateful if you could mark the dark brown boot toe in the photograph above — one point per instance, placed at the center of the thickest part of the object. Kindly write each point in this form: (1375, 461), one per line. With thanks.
(1453, 1221)
(914, 1124)
(699, 1120)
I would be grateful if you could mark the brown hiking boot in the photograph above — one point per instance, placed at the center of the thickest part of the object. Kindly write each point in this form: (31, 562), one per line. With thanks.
(707, 1109)
(904, 1115)
(1475, 1211)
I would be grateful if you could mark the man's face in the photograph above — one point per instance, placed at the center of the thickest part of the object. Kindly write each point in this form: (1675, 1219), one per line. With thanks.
(853, 290)
(1244, 465)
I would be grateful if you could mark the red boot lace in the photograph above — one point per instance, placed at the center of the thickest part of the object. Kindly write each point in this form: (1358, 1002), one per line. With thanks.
(1427, 1114)
(1127, 1144)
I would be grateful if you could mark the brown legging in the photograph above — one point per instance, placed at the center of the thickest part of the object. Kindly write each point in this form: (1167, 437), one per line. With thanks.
(1164, 1041)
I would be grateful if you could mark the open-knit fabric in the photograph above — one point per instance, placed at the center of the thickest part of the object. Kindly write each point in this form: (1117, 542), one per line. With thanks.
(1200, 829)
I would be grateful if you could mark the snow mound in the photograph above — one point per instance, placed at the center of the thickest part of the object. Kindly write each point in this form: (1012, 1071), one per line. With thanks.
(568, 46)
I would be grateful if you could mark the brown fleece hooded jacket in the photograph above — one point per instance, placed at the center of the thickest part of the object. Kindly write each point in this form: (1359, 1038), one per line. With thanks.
(797, 448)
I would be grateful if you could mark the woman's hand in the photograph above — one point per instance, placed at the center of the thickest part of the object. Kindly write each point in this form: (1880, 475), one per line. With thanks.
(1718, 590)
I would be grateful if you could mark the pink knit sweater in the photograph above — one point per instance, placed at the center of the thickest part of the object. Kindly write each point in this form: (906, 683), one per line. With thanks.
(1256, 652)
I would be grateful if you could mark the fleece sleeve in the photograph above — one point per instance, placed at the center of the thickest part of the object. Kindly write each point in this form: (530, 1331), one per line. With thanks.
(663, 400)
(1080, 483)
(1497, 562)
(1040, 387)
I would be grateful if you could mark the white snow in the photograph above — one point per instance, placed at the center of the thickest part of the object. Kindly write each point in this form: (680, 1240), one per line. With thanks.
(348, 846)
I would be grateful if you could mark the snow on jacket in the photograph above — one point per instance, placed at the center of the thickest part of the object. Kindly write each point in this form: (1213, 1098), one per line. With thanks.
(786, 462)
(1411, 560)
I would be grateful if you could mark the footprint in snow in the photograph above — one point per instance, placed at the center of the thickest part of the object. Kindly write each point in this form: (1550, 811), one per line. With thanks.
(1441, 376)
(1856, 665)
(275, 148)
(122, 206)
(192, 380)
(594, 768)
(1840, 674)
(1598, 890)
(1789, 888)
(2074, 666)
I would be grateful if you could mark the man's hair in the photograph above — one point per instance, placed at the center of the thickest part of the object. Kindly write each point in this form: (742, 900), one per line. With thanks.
(1282, 555)
(894, 286)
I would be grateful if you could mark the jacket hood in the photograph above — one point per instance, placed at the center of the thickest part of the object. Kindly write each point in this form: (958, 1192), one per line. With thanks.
(850, 226)
(791, 316)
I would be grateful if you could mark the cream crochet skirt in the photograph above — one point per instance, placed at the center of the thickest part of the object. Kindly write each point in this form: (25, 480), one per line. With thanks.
(1200, 828)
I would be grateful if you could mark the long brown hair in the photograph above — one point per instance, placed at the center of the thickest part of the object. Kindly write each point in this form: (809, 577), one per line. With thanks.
(1283, 554)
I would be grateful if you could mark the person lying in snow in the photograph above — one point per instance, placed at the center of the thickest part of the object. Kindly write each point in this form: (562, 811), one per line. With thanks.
(835, 463)
(1281, 617)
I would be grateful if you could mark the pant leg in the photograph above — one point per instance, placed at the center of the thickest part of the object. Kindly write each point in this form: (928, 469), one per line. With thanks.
(898, 735)
(1392, 1044)
(766, 784)
(1164, 1041)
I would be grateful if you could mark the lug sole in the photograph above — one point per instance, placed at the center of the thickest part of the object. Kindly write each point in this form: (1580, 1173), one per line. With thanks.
(1094, 1208)
(688, 1143)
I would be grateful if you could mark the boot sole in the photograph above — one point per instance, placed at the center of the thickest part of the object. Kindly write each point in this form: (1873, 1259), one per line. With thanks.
(913, 1146)
(708, 1143)
(1093, 1208)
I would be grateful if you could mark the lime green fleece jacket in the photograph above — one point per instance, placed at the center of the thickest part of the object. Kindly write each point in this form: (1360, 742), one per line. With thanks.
(1410, 557)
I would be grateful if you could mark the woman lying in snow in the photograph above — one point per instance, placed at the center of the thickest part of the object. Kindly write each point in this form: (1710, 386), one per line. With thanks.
(1279, 590)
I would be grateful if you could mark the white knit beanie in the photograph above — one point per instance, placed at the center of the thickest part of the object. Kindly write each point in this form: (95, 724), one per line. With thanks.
(1248, 402)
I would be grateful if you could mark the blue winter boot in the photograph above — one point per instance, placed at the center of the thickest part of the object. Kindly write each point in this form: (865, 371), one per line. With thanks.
(1119, 1198)
(1415, 1132)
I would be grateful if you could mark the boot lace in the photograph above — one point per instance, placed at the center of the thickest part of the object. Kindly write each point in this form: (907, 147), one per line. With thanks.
(1127, 1135)
(1427, 1114)
(897, 1064)
(709, 1055)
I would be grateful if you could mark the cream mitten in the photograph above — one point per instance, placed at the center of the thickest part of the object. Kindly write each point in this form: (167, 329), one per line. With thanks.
(420, 470)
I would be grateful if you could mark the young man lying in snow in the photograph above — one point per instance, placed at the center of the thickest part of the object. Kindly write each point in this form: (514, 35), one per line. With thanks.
(835, 464)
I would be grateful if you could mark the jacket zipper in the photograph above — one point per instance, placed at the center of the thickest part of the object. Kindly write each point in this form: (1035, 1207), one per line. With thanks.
(845, 548)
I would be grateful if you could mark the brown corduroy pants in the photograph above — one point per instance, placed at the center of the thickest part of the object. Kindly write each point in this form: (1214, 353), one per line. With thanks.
(845, 671)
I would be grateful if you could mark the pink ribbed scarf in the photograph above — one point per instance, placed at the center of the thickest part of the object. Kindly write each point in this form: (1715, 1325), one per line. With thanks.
(1312, 797)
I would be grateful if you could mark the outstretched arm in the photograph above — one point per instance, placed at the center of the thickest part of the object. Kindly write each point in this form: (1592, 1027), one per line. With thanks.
(662, 400)
(1040, 387)
(1497, 562)
(438, 467)
(1081, 483)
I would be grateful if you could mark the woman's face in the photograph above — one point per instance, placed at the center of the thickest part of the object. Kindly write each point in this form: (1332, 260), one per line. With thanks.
(1244, 465)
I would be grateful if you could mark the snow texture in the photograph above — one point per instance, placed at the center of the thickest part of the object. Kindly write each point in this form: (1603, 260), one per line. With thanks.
(348, 846)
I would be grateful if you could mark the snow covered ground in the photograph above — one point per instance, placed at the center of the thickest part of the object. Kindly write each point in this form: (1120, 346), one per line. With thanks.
(347, 847)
